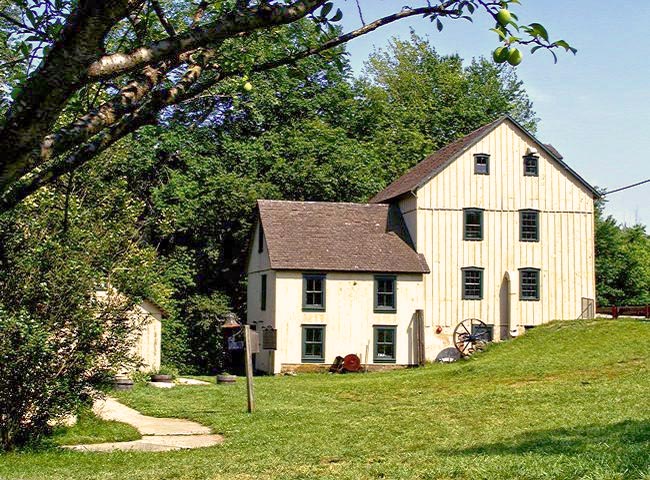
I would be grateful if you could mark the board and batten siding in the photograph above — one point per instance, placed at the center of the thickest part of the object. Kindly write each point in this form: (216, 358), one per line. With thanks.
(564, 253)
(349, 316)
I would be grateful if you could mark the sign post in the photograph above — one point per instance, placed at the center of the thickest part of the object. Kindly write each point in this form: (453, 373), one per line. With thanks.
(249, 368)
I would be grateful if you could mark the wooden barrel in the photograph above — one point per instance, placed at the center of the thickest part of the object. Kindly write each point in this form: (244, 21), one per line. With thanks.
(226, 379)
(123, 384)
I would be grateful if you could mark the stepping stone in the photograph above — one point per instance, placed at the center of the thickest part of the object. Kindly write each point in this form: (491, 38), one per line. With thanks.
(111, 409)
(152, 443)
(191, 381)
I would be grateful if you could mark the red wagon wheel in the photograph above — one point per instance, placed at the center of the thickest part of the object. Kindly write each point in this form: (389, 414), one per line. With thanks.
(351, 363)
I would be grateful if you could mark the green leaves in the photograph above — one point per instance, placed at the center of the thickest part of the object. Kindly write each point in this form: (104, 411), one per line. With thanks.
(566, 46)
(538, 30)
(325, 11)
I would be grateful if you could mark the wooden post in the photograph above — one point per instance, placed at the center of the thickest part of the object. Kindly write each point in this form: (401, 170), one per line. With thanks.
(249, 368)
(365, 369)
(419, 337)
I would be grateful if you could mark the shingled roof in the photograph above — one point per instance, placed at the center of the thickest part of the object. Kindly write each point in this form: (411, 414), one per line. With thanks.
(431, 165)
(328, 236)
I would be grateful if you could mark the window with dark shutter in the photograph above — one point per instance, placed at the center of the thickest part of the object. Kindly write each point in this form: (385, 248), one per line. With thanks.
(482, 164)
(473, 224)
(529, 284)
(531, 166)
(313, 292)
(313, 343)
(385, 293)
(529, 225)
(472, 283)
(385, 342)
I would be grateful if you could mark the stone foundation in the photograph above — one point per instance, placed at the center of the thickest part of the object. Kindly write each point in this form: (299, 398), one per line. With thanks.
(323, 367)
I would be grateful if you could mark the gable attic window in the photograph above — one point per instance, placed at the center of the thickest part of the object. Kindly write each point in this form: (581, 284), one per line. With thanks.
(385, 294)
(260, 239)
(472, 224)
(313, 292)
(531, 165)
(482, 164)
(529, 284)
(472, 283)
(263, 293)
(529, 225)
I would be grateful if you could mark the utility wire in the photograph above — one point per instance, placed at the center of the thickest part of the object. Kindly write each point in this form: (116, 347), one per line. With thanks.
(626, 187)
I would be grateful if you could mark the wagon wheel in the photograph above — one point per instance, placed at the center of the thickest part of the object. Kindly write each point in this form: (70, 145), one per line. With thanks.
(471, 335)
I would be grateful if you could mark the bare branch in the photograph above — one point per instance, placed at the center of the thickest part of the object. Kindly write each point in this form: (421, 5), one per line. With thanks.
(20, 24)
(198, 14)
(162, 18)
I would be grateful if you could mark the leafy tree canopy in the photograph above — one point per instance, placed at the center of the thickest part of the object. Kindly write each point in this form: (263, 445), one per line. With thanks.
(80, 76)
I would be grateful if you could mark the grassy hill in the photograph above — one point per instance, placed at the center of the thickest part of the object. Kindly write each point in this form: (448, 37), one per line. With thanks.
(567, 400)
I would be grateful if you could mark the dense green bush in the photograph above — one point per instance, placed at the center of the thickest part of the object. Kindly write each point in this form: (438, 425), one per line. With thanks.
(60, 344)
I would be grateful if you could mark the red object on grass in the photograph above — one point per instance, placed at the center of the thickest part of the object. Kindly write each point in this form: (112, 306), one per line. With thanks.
(351, 363)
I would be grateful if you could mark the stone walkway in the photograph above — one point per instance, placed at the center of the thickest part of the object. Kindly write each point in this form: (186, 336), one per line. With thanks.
(158, 434)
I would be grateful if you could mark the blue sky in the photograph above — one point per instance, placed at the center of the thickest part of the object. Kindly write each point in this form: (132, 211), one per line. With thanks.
(594, 107)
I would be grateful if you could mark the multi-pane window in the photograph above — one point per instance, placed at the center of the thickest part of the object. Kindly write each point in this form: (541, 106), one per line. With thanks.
(531, 166)
(482, 164)
(384, 345)
(472, 283)
(529, 284)
(385, 293)
(529, 225)
(473, 224)
(313, 295)
(263, 293)
(313, 343)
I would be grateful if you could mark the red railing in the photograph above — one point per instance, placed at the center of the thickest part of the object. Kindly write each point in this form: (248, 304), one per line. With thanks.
(623, 311)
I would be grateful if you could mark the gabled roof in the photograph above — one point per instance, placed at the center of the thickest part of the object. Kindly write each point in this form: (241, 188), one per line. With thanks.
(329, 236)
(433, 164)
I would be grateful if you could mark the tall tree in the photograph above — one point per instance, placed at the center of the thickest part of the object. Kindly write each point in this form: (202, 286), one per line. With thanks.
(418, 101)
(96, 71)
(622, 262)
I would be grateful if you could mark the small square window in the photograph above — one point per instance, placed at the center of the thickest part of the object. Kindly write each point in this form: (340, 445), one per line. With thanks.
(531, 166)
(384, 345)
(385, 294)
(482, 164)
(473, 224)
(313, 294)
(529, 284)
(263, 293)
(313, 343)
(472, 283)
(529, 225)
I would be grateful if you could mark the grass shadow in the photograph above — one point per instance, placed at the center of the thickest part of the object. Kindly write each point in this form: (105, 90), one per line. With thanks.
(623, 445)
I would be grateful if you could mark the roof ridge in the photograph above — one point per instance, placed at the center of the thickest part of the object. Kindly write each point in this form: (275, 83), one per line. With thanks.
(321, 202)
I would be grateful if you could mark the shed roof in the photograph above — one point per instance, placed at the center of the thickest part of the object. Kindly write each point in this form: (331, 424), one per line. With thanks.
(431, 165)
(331, 236)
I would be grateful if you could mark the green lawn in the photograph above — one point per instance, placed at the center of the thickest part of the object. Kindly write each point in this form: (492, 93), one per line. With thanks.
(568, 400)
(90, 429)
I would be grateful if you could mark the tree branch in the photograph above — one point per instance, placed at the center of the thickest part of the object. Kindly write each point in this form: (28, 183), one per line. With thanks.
(45, 93)
(162, 18)
(119, 63)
